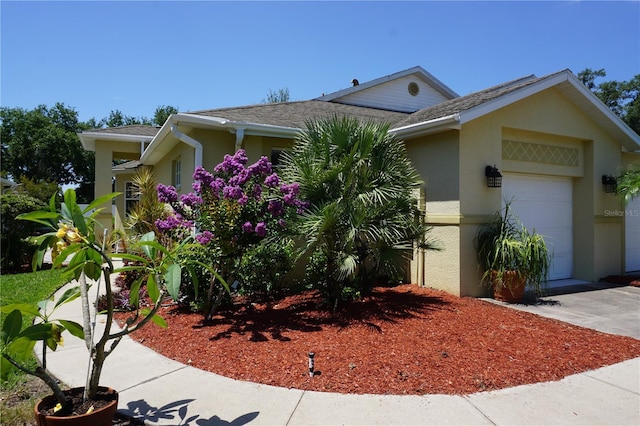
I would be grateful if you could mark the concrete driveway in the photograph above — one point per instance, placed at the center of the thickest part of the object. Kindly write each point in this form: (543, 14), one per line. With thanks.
(600, 306)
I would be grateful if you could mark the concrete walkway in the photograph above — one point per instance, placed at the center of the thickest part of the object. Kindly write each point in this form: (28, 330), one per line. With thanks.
(164, 392)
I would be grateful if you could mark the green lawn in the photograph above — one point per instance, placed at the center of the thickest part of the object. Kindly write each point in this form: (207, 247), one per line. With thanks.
(19, 393)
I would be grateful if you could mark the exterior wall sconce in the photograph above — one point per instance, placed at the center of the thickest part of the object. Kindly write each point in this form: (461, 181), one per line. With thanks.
(610, 184)
(494, 178)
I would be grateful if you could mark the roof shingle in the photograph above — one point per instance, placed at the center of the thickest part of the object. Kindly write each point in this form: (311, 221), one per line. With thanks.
(296, 114)
(464, 103)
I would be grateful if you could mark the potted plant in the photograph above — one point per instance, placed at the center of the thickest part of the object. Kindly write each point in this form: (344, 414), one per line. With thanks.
(512, 257)
(73, 238)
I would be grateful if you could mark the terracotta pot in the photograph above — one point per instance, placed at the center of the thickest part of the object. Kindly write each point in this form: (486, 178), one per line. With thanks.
(511, 290)
(100, 417)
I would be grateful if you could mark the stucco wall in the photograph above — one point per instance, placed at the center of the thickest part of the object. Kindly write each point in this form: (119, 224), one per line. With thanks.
(546, 119)
(105, 152)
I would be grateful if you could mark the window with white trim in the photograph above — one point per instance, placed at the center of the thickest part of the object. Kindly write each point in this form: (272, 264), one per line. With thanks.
(131, 196)
(177, 173)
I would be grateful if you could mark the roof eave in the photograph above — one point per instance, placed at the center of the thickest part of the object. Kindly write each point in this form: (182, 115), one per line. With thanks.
(152, 154)
(629, 139)
(88, 139)
(450, 122)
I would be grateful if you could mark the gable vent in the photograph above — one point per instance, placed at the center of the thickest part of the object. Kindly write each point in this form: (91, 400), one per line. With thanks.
(413, 88)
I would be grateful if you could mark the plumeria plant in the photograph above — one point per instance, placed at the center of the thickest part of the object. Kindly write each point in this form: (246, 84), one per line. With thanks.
(73, 238)
(233, 208)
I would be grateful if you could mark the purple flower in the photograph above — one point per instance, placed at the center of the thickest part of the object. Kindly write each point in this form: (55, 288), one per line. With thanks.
(289, 199)
(272, 180)
(261, 229)
(170, 223)
(203, 176)
(282, 223)
(275, 207)
(292, 188)
(233, 165)
(217, 185)
(167, 194)
(232, 192)
(247, 227)
(191, 199)
(241, 178)
(257, 191)
(204, 238)
(262, 167)
(243, 200)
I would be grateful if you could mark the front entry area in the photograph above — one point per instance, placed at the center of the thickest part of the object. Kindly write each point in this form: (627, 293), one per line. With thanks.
(545, 203)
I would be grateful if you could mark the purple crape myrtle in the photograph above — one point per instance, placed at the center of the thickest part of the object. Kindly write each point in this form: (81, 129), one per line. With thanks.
(235, 205)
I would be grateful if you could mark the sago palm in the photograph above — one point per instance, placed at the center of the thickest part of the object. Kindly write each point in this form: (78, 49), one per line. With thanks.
(361, 186)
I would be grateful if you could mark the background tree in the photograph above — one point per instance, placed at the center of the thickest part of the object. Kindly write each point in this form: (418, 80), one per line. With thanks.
(281, 95)
(41, 190)
(363, 218)
(629, 183)
(42, 145)
(162, 113)
(622, 97)
(15, 249)
(117, 118)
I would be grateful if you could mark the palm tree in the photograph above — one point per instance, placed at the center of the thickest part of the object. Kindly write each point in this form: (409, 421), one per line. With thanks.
(629, 183)
(363, 216)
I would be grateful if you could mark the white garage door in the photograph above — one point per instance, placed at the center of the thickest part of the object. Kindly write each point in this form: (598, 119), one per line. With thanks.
(546, 205)
(632, 236)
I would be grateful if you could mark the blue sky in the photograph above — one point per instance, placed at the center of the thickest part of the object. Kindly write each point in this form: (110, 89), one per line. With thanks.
(133, 56)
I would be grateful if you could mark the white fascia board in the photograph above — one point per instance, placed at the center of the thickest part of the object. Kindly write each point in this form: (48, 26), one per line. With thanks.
(257, 129)
(88, 139)
(450, 122)
(250, 128)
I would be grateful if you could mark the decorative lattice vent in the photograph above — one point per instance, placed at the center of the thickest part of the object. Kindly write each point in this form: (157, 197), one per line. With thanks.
(537, 153)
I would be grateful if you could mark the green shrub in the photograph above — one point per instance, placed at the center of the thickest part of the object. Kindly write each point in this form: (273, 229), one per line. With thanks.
(15, 248)
(263, 268)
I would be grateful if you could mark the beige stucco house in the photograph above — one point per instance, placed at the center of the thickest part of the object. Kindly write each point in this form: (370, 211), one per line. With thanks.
(549, 137)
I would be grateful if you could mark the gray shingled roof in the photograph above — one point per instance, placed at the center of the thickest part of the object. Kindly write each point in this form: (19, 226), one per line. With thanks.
(134, 129)
(128, 165)
(463, 103)
(295, 114)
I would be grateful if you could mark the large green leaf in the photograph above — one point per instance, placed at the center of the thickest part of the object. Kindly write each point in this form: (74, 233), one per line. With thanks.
(172, 280)
(37, 332)
(69, 295)
(152, 288)
(100, 201)
(147, 248)
(22, 307)
(128, 256)
(134, 292)
(12, 325)
(21, 348)
(74, 209)
(41, 217)
(73, 327)
(157, 319)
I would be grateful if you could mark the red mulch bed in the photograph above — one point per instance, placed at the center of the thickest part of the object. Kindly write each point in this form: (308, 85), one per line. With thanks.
(402, 340)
